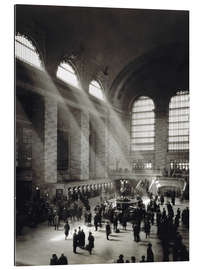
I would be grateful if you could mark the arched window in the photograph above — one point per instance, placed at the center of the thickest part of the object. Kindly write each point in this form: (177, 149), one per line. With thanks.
(67, 74)
(25, 51)
(178, 136)
(96, 90)
(142, 125)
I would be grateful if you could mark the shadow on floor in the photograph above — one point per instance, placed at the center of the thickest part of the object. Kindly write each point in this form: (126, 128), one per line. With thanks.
(114, 240)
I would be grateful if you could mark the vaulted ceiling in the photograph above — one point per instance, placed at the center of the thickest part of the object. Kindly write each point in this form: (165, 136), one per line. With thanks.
(143, 50)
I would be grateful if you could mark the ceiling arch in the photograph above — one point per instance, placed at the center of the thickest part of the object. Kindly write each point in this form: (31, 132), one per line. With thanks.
(158, 73)
(106, 40)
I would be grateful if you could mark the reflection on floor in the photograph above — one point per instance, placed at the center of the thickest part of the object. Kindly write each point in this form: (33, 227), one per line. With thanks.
(36, 246)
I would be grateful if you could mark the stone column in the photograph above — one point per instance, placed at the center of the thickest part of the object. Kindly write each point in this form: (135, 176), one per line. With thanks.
(44, 144)
(38, 140)
(161, 135)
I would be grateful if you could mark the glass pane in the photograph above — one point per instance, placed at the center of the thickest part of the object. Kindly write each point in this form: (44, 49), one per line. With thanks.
(66, 73)
(179, 122)
(142, 125)
(95, 90)
(25, 51)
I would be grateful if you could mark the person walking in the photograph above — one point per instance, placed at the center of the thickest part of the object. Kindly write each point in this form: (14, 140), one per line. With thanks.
(91, 243)
(79, 237)
(75, 241)
(115, 223)
(108, 230)
(56, 222)
(136, 232)
(173, 197)
(50, 219)
(96, 221)
(147, 228)
(124, 222)
(66, 229)
(150, 254)
(82, 239)
(89, 218)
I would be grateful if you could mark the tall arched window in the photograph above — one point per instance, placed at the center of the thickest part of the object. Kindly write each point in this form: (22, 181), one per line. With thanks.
(67, 74)
(25, 51)
(178, 137)
(142, 125)
(96, 90)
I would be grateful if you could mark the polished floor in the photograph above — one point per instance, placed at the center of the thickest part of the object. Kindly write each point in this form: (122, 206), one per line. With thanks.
(36, 246)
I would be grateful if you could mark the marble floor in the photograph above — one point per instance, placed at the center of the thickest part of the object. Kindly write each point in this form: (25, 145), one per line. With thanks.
(36, 246)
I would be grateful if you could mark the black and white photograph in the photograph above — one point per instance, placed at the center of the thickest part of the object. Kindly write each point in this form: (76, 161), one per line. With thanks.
(102, 124)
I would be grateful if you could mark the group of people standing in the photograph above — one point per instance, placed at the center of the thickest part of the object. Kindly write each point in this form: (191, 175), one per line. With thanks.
(78, 239)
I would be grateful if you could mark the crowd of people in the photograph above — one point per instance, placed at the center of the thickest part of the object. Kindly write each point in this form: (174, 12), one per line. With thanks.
(41, 208)
(143, 219)
(157, 212)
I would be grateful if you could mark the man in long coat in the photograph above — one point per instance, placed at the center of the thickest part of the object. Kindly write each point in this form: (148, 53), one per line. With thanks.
(91, 243)
(66, 229)
(75, 241)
